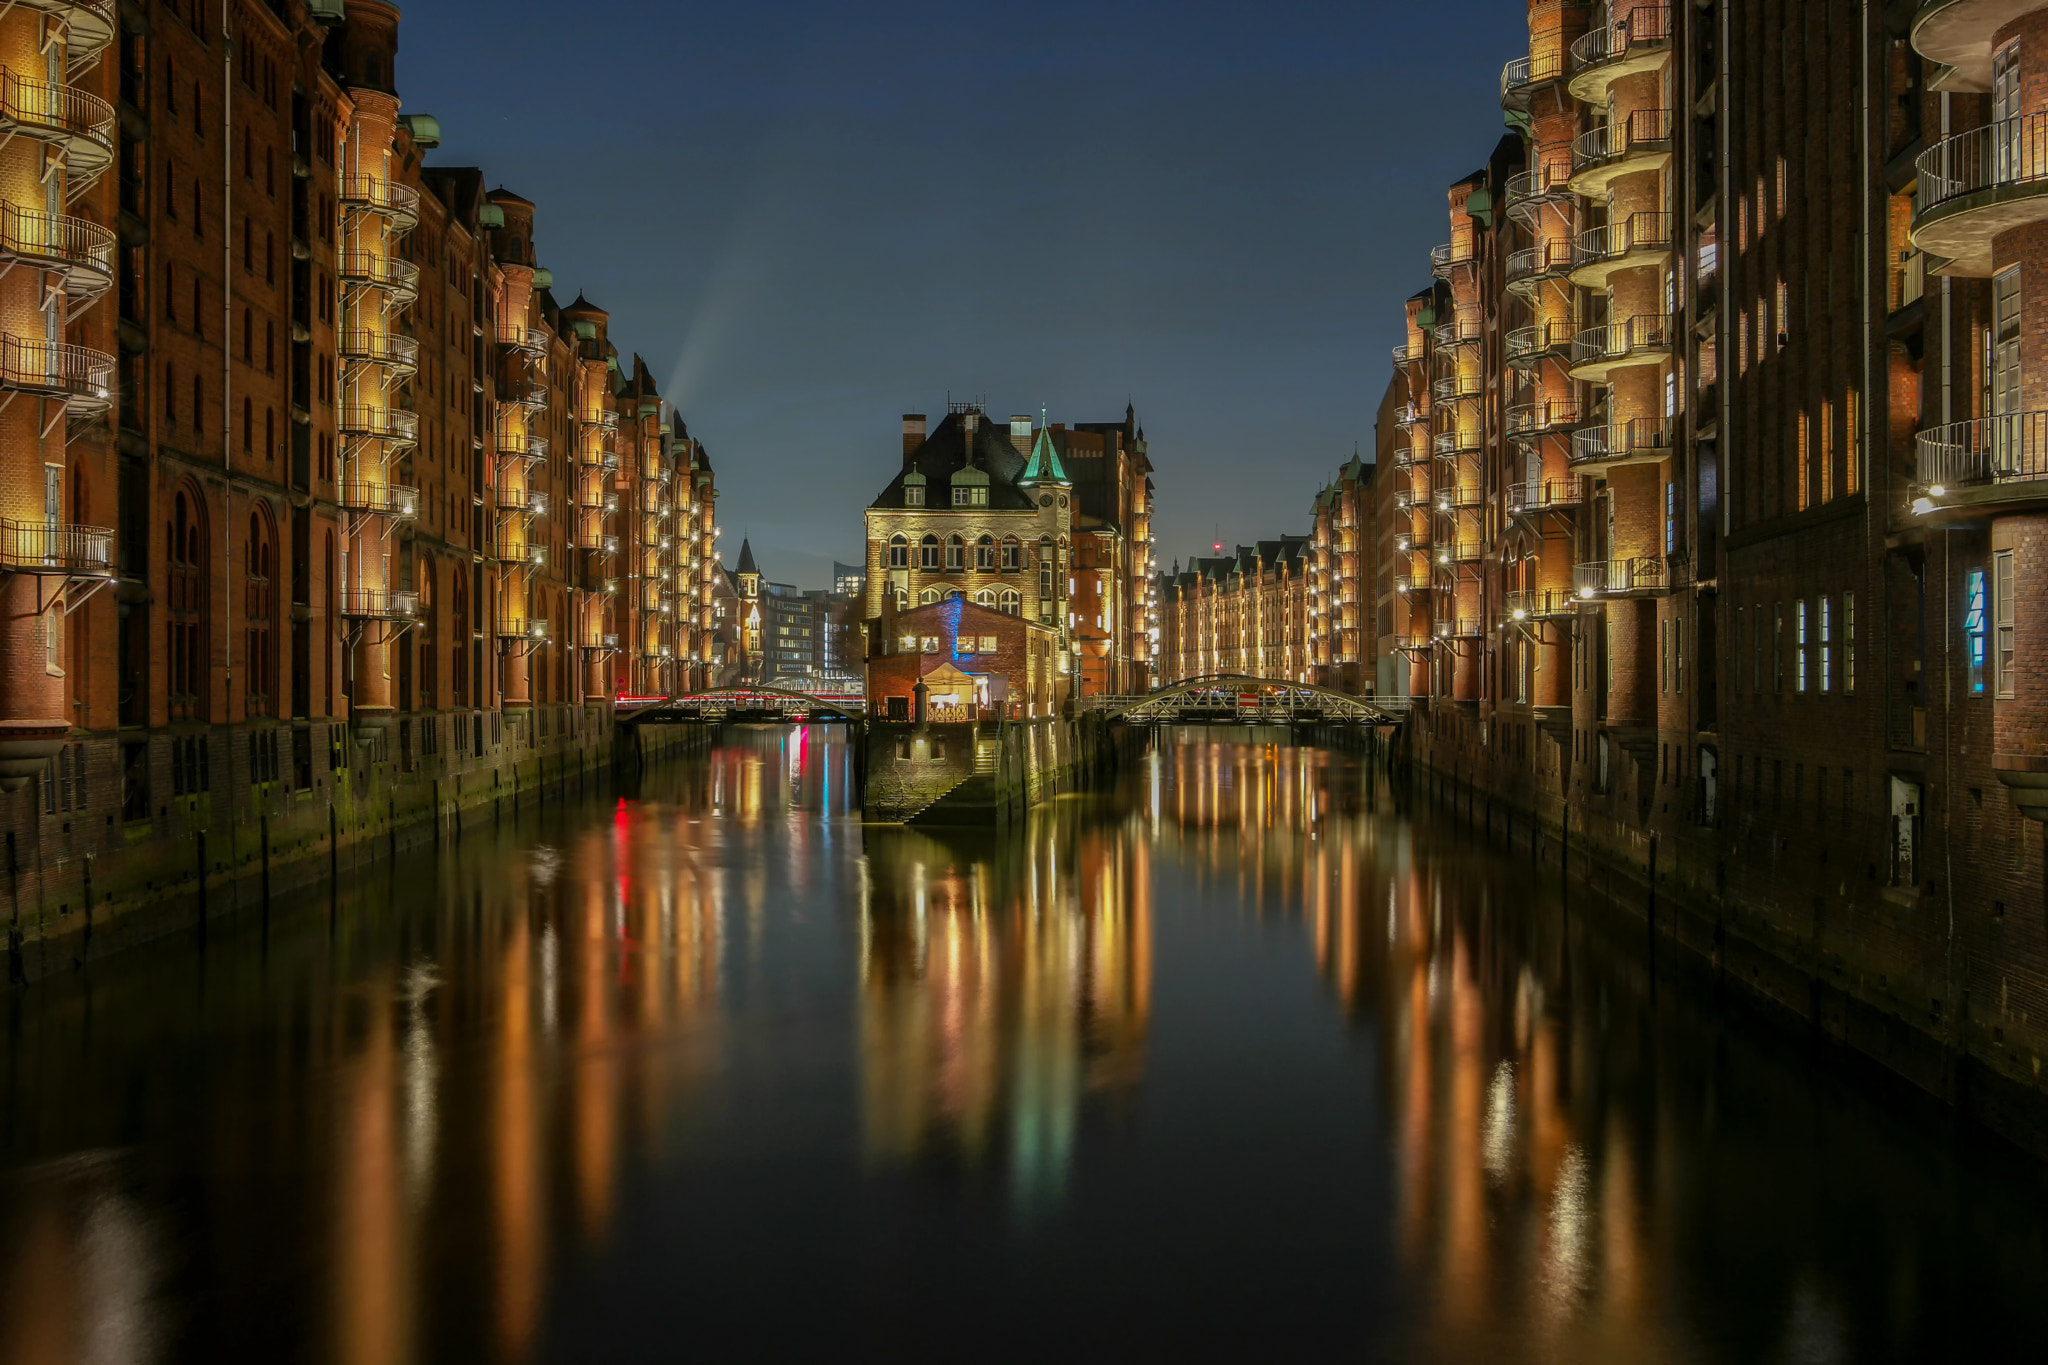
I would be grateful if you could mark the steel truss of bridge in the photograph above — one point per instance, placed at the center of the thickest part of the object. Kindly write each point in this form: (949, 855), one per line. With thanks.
(1228, 698)
(765, 704)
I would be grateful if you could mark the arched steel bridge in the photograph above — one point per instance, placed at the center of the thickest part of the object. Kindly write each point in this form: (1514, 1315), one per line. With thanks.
(1231, 697)
(741, 703)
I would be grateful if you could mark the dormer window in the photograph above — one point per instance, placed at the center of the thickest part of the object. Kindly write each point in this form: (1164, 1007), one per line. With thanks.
(913, 495)
(973, 495)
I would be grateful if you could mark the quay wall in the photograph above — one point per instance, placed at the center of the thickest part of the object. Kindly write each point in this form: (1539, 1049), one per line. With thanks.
(979, 775)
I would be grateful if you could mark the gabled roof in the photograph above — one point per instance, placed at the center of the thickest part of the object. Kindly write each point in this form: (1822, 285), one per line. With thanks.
(944, 453)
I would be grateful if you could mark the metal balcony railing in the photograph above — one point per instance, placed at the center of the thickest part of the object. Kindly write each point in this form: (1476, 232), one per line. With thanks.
(388, 349)
(381, 499)
(81, 123)
(1645, 332)
(1448, 257)
(383, 196)
(1644, 131)
(522, 446)
(1986, 450)
(524, 628)
(1454, 386)
(2011, 151)
(382, 424)
(79, 375)
(598, 457)
(1543, 183)
(379, 604)
(1637, 232)
(1544, 495)
(605, 419)
(1541, 261)
(531, 395)
(1628, 32)
(83, 251)
(1527, 345)
(1522, 74)
(1405, 353)
(367, 270)
(518, 336)
(1459, 331)
(1533, 604)
(1410, 414)
(1620, 440)
(39, 547)
(1535, 419)
(1641, 573)
(523, 553)
(1455, 440)
(523, 501)
(89, 28)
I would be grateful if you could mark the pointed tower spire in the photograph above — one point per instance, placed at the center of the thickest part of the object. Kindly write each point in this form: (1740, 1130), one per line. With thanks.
(1045, 466)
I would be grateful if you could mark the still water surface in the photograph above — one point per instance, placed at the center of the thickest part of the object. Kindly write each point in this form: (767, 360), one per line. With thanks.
(1237, 1060)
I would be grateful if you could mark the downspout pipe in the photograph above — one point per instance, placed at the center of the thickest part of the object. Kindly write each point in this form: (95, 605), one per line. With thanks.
(227, 347)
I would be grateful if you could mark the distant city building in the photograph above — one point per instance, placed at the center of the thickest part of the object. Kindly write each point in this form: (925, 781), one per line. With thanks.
(849, 580)
(1245, 613)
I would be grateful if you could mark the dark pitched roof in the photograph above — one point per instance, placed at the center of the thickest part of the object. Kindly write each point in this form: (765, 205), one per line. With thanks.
(503, 195)
(747, 564)
(944, 454)
(583, 305)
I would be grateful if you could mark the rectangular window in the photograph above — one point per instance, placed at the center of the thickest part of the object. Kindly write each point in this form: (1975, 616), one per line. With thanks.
(1678, 662)
(1777, 646)
(1827, 644)
(2002, 653)
(1976, 624)
(1852, 445)
(1805, 488)
(1670, 518)
(913, 496)
(1799, 643)
(1848, 642)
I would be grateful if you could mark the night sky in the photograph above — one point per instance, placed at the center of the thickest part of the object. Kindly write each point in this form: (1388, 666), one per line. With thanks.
(812, 218)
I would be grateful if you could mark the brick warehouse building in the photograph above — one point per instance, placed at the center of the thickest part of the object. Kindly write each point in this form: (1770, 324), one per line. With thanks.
(337, 504)
(1712, 504)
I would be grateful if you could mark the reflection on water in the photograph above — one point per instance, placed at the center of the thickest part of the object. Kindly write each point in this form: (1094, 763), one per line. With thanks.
(1238, 1057)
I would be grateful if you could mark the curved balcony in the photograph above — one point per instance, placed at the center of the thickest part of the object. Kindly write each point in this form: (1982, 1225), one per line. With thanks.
(1536, 265)
(1531, 496)
(1595, 450)
(379, 604)
(1405, 353)
(398, 354)
(535, 629)
(522, 502)
(1546, 185)
(78, 376)
(1530, 421)
(1522, 77)
(1526, 346)
(1993, 464)
(1638, 575)
(1459, 440)
(80, 251)
(1446, 259)
(597, 457)
(1632, 41)
(1460, 331)
(1538, 604)
(605, 420)
(1958, 34)
(1641, 141)
(395, 425)
(1639, 240)
(80, 125)
(1598, 352)
(54, 550)
(1410, 415)
(526, 340)
(1453, 387)
(380, 500)
(89, 28)
(400, 204)
(520, 553)
(522, 446)
(1978, 184)
(1454, 496)
(387, 274)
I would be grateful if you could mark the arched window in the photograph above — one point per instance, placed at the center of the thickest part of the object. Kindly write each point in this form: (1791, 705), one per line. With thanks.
(185, 546)
(927, 597)
(986, 598)
(1013, 554)
(259, 600)
(956, 552)
(928, 553)
(985, 553)
(1012, 602)
(899, 552)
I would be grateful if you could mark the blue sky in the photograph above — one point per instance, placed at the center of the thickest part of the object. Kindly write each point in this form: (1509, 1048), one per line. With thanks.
(813, 218)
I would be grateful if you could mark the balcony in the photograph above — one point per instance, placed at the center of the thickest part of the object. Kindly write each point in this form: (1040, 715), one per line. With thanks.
(1526, 346)
(1533, 496)
(1455, 386)
(1410, 415)
(1529, 192)
(1637, 576)
(387, 274)
(517, 628)
(1445, 260)
(1529, 421)
(531, 395)
(398, 354)
(379, 604)
(605, 419)
(1459, 628)
(1978, 184)
(1598, 352)
(1522, 77)
(376, 194)
(1538, 604)
(1459, 440)
(518, 337)
(1539, 264)
(597, 457)
(1404, 354)
(54, 550)
(1595, 450)
(395, 425)
(1633, 41)
(81, 252)
(89, 29)
(381, 500)
(518, 554)
(79, 125)
(522, 502)
(523, 446)
(1639, 240)
(1408, 642)
(1991, 464)
(77, 376)
(603, 644)
(1641, 141)
(1958, 34)
(1460, 331)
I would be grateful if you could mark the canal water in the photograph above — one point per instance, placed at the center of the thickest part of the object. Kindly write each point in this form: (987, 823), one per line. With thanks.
(1237, 1059)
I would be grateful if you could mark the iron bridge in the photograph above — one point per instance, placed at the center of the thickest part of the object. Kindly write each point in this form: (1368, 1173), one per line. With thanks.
(769, 705)
(1227, 698)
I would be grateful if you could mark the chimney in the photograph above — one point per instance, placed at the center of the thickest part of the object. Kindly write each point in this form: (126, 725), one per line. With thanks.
(1020, 432)
(913, 434)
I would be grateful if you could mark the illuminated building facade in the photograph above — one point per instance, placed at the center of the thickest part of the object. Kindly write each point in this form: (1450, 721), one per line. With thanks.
(1246, 613)
(329, 503)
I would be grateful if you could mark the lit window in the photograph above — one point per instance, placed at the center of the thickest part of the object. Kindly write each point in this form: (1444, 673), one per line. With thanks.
(1975, 625)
